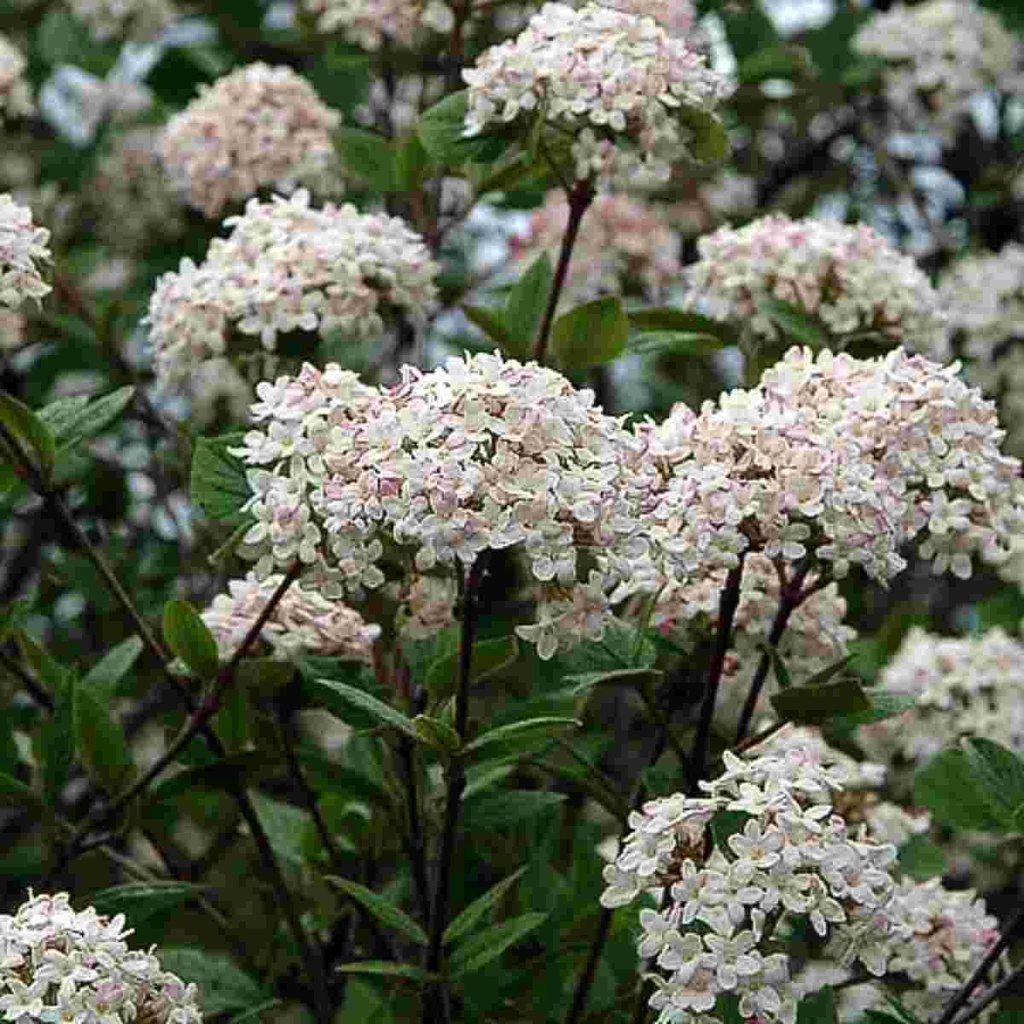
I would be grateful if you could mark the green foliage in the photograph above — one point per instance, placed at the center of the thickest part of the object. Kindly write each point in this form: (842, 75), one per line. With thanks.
(590, 334)
(25, 439)
(385, 911)
(188, 638)
(219, 486)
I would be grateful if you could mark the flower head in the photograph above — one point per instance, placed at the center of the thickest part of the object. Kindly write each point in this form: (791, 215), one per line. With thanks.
(15, 97)
(257, 127)
(22, 248)
(368, 23)
(109, 19)
(59, 964)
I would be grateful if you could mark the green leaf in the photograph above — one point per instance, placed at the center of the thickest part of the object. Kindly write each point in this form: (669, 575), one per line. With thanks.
(255, 1012)
(237, 770)
(818, 704)
(782, 673)
(102, 679)
(922, 859)
(12, 615)
(222, 985)
(681, 342)
(32, 437)
(441, 132)
(796, 324)
(817, 1008)
(489, 657)
(189, 638)
(388, 969)
(710, 142)
(412, 162)
(524, 306)
(71, 420)
(783, 60)
(368, 155)
(491, 322)
(16, 794)
(467, 920)
(384, 910)
(99, 741)
(232, 719)
(58, 740)
(883, 705)
(591, 334)
(264, 676)
(285, 826)
(139, 901)
(218, 482)
(672, 320)
(508, 809)
(1000, 775)
(513, 734)
(638, 678)
(437, 734)
(383, 713)
(489, 944)
(948, 787)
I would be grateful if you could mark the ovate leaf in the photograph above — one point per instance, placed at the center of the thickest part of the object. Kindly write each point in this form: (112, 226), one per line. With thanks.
(524, 306)
(30, 435)
(189, 638)
(218, 482)
(948, 787)
(139, 901)
(511, 737)
(590, 334)
(222, 985)
(99, 741)
(102, 679)
(383, 713)
(368, 155)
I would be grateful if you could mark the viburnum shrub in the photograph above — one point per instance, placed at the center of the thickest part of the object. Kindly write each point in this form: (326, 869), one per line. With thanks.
(507, 512)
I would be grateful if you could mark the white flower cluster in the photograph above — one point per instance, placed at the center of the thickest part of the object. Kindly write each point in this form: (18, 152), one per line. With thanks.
(15, 96)
(620, 240)
(606, 76)
(59, 965)
(133, 200)
(287, 266)
(848, 276)
(110, 19)
(480, 453)
(839, 459)
(983, 300)
(962, 686)
(815, 635)
(793, 858)
(22, 248)
(368, 23)
(257, 127)
(304, 622)
(939, 55)
(678, 17)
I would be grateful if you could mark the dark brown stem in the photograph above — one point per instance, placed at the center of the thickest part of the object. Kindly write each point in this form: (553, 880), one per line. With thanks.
(580, 196)
(36, 691)
(989, 996)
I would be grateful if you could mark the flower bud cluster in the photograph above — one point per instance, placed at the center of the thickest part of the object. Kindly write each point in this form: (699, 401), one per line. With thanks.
(22, 249)
(620, 240)
(287, 266)
(368, 23)
(15, 96)
(303, 622)
(482, 453)
(848, 276)
(939, 55)
(111, 19)
(839, 459)
(61, 965)
(257, 127)
(961, 686)
(606, 76)
(983, 300)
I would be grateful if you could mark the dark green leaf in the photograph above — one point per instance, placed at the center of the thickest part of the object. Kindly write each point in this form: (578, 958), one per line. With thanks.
(383, 713)
(817, 704)
(368, 155)
(782, 673)
(412, 162)
(639, 678)
(99, 741)
(489, 944)
(234, 772)
(188, 638)
(796, 324)
(491, 322)
(264, 675)
(591, 334)
(58, 740)
(922, 859)
(11, 616)
(817, 1008)
(489, 657)
(441, 132)
(388, 969)
(102, 679)
(218, 482)
(232, 720)
(524, 306)
(255, 1012)
(781, 61)
(679, 342)
(437, 734)
(71, 424)
(222, 985)
(467, 920)
(883, 705)
(285, 825)
(384, 910)
(1000, 775)
(495, 811)
(31, 436)
(710, 142)
(16, 794)
(680, 321)
(139, 901)
(512, 735)
(948, 787)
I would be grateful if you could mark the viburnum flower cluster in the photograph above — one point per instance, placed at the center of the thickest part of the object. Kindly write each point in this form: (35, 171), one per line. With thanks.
(983, 300)
(939, 55)
(729, 911)
(257, 127)
(15, 95)
(481, 453)
(303, 622)
(368, 23)
(962, 686)
(848, 276)
(815, 636)
(608, 77)
(61, 965)
(110, 19)
(287, 266)
(620, 239)
(677, 17)
(839, 460)
(22, 252)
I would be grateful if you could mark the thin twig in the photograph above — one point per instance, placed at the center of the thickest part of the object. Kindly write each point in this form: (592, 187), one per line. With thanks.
(989, 996)
(36, 691)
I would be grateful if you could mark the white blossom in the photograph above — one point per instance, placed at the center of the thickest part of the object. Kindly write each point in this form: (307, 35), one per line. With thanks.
(22, 250)
(15, 94)
(368, 23)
